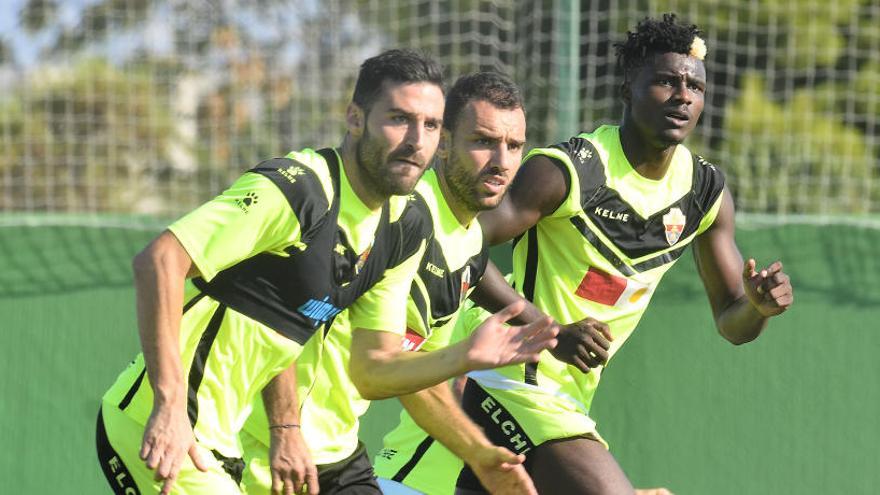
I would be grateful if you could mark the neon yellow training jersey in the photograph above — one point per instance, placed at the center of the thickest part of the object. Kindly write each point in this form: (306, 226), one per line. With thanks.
(281, 252)
(454, 259)
(600, 254)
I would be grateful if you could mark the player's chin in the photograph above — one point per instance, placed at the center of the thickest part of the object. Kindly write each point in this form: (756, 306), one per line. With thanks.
(489, 202)
(403, 185)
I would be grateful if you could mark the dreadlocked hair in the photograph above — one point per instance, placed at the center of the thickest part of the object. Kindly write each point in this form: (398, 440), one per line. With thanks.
(654, 36)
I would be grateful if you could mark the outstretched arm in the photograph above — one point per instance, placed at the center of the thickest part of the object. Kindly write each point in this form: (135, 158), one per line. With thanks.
(742, 298)
(437, 412)
(159, 274)
(583, 344)
(379, 369)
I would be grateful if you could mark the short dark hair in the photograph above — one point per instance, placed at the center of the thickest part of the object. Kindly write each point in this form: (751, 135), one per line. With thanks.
(492, 87)
(653, 36)
(397, 66)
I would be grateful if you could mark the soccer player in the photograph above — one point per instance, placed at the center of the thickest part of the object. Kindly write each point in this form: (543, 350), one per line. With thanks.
(596, 222)
(482, 145)
(271, 262)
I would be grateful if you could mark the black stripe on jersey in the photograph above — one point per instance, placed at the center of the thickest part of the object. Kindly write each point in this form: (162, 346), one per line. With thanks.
(192, 302)
(301, 187)
(419, 300)
(633, 235)
(133, 390)
(414, 460)
(197, 369)
(118, 476)
(604, 250)
(137, 382)
(413, 227)
(530, 375)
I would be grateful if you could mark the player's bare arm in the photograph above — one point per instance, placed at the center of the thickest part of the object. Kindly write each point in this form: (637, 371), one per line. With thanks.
(380, 369)
(159, 274)
(583, 344)
(742, 298)
(437, 412)
(289, 458)
(537, 190)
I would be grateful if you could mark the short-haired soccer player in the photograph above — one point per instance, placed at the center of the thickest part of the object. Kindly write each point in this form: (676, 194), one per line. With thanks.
(480, 151)
(272, 262)
(596, 222)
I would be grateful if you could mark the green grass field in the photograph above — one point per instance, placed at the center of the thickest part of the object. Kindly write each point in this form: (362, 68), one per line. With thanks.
(794, 412)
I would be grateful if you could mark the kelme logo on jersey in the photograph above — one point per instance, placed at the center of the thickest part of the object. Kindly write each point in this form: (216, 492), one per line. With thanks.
(319, 311)
(247, 201)
(611, 290)
(291, 173)
(674, 222)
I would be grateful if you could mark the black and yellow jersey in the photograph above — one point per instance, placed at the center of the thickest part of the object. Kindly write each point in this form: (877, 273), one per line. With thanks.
(601, 254)
(281, 253)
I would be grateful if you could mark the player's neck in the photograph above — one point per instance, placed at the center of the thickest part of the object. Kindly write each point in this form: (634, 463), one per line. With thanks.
(462, 213)
(648, 159)
(360, 184)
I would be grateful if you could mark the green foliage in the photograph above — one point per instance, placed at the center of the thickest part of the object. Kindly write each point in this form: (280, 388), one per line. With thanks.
(803, 35)
(80, 137)
(795, 156)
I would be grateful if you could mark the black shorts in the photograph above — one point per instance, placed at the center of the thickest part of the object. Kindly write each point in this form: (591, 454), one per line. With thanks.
(351, 476)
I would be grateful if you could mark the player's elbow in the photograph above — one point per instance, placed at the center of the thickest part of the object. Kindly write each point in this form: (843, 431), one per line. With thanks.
(145, 262)
(737, 338)
(364, 376)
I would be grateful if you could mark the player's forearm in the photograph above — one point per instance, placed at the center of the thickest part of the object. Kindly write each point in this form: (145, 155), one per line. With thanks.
(436, 411)
(741, 322)
(159, 287)
(280, 400)
(493, 293)
(380, 373)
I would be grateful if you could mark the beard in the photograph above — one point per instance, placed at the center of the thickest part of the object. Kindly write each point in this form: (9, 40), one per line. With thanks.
(374, 160)
(464, 186)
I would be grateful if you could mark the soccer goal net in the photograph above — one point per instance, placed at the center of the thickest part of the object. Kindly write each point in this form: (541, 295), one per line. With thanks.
(131, 113)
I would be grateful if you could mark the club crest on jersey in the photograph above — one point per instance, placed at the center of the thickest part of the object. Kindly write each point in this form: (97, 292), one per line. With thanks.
(465, 284)
(674, 222)
(362, 260)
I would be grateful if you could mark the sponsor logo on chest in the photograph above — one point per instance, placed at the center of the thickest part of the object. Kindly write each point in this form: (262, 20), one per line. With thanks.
(412, 341)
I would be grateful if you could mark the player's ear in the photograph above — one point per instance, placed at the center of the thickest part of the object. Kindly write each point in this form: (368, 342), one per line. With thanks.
(445, 145)
(625, 92)
(355, 120)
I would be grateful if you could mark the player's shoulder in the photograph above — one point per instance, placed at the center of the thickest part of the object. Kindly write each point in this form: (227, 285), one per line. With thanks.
(411, 214)
(708, 180)
(306, 179)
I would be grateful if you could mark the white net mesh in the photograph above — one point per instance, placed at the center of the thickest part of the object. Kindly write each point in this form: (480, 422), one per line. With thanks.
(143, 109)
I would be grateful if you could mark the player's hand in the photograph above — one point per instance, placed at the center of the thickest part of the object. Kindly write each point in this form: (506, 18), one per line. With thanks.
(769, 290)
(500, 471)
(653, 491)
(168, 438)
(293, 470)
(495, 344)
(583, 344)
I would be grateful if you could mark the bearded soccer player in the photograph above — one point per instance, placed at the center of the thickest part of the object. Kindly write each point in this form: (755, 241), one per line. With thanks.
(271, 262)
(596, 222)
(480, 151)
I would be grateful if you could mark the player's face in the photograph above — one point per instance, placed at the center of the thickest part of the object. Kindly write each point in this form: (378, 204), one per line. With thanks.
(401, 134)
(665, 97)
(485, 150)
